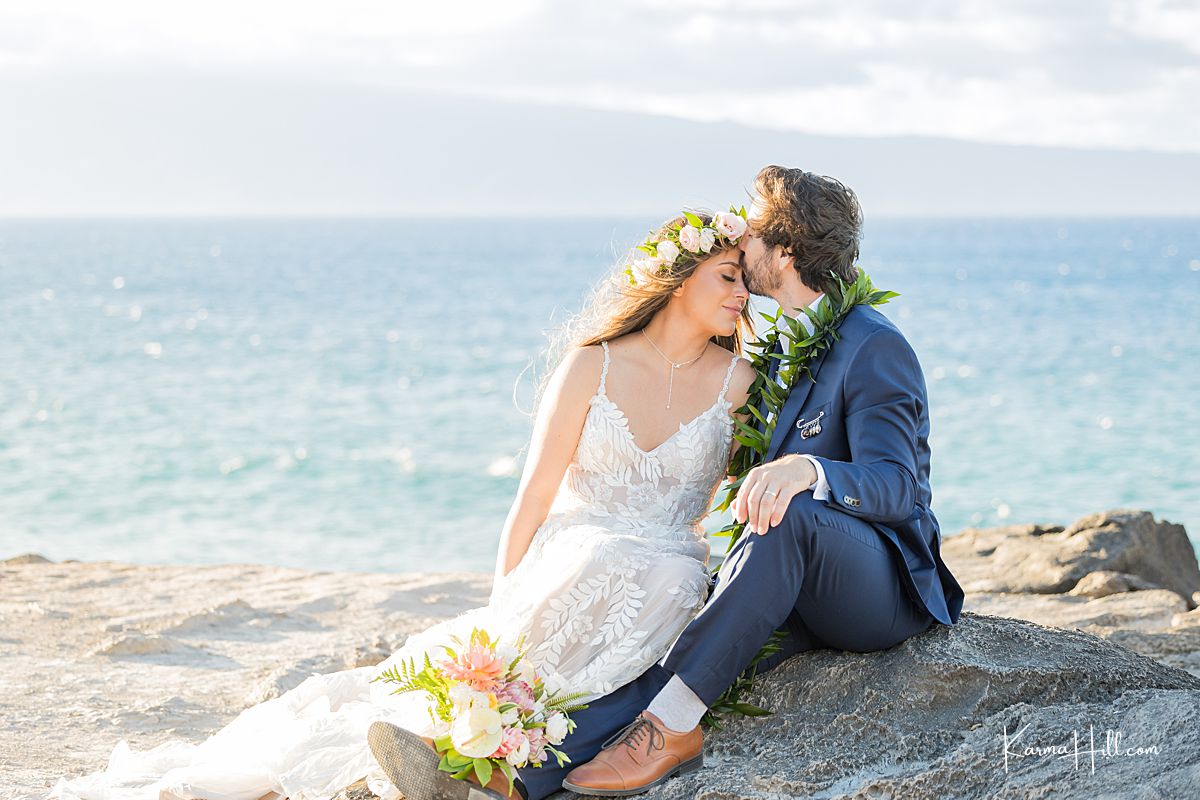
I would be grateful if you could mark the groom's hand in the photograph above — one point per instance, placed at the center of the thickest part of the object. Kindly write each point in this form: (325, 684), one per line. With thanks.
(768, 490)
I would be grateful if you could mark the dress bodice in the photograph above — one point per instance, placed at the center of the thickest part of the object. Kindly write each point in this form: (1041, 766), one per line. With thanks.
(658, 493)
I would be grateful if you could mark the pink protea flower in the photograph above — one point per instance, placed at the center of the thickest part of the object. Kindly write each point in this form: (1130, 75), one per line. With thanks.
(537, 744)
(518, 692)
(478, 667)
(510, 743)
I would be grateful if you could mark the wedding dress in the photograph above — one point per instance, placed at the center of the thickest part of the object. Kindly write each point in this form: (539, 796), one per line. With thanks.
(610, 579)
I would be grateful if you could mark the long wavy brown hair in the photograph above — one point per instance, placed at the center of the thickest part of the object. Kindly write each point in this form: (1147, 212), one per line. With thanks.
(614, 306)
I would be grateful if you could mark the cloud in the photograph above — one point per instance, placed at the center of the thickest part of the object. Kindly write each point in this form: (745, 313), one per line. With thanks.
(1078, 73)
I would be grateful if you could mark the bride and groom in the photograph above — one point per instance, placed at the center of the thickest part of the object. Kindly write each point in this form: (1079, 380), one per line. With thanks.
(602, 565)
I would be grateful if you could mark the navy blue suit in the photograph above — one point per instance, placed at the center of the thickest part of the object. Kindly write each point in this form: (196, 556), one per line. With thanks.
(858, 571)
(869, 398)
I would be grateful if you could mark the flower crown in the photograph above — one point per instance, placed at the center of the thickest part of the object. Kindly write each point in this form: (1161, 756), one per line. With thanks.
(690, 234)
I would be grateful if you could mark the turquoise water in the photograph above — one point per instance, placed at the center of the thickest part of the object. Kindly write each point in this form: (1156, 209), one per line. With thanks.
(339, 394)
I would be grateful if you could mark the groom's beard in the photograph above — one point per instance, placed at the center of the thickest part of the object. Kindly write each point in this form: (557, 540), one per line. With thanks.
(760, 279)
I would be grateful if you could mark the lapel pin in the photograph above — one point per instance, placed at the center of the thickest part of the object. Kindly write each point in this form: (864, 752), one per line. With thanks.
(810, 428)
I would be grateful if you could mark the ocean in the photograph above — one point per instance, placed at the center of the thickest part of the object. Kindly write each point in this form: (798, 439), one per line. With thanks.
(352, 394)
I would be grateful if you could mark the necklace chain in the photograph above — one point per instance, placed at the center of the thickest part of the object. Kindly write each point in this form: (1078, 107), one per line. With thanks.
(674, 366)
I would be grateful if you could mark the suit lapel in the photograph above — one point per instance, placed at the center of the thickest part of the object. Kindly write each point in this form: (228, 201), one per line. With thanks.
(793, 404)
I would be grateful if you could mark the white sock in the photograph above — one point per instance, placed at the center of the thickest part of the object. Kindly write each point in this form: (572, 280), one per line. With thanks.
(677, 706)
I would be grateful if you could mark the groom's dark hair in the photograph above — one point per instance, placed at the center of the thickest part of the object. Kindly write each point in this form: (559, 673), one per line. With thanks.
(817, 221)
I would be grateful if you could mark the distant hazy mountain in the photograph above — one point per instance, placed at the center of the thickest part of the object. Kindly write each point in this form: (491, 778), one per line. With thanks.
(182, 144)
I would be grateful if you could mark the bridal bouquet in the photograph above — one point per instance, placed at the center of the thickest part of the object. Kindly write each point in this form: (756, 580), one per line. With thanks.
(491, 710)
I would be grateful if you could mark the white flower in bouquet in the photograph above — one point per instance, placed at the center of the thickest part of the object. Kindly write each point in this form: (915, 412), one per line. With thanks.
(476, 732)
(460, 695)
(556, 728)
(507, 653)
(708, 237)
(520, 754)
(486, 715)
(525, 671)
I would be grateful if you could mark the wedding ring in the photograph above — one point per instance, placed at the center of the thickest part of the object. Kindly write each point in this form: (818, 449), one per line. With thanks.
(770, 491)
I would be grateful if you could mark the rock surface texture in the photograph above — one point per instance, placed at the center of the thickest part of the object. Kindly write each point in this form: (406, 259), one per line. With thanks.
(1073, 672)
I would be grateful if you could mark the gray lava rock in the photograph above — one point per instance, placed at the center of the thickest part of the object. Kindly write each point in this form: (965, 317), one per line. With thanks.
(1106, 582)
(928, 719)
(1051, 560)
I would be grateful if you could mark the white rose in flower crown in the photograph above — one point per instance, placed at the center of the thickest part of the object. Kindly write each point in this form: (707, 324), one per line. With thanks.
(729, 225)
(644, 269)
(668, 252)
(689, 238)
(708, 237)
(556, 728)
(476, 733)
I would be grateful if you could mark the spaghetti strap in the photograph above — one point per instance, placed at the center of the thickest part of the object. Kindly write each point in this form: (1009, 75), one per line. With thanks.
(604, 369)
(728, 375)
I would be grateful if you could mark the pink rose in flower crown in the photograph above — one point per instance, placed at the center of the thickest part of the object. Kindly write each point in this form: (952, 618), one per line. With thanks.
(689, 238)
(479, 667)
(730, 225)
(518, 692)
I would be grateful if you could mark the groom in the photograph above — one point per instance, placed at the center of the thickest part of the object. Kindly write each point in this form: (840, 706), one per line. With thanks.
(840, 550)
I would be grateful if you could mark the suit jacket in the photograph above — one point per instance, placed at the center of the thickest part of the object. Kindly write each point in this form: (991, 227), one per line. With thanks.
(866, 420)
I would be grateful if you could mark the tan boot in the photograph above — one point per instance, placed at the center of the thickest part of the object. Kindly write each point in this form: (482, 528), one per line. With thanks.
(411, 764)
(643, 754)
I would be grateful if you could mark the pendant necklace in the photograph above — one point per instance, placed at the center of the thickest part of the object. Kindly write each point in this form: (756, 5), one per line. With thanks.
(674, 366)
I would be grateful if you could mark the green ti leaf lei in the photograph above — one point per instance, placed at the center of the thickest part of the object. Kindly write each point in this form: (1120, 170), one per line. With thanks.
(799, 352)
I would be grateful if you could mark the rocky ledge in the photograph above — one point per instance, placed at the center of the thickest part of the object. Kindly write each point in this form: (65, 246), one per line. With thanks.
(1073, 672)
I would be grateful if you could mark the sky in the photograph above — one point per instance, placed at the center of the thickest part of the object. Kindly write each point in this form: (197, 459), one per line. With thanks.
(1076, 73)
(80, 82)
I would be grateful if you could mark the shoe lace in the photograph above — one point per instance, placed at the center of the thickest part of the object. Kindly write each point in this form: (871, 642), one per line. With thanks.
(633, 734)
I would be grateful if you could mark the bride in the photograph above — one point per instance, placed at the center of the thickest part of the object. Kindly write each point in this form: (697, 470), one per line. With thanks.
(602, 560)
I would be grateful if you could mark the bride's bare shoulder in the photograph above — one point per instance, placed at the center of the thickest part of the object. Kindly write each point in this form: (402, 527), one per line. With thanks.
(578, 374)
(740, 381)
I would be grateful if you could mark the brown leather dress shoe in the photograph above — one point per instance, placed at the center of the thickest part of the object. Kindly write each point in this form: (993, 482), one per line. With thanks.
(411, 764)
(644, 753)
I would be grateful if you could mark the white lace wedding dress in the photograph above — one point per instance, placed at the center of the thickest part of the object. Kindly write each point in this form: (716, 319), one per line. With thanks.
(613, 575)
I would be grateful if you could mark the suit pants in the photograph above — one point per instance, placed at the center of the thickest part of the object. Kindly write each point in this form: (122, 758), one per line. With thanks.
(828, 579)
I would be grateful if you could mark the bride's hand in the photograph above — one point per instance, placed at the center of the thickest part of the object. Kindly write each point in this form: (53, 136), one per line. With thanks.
(768, 490)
